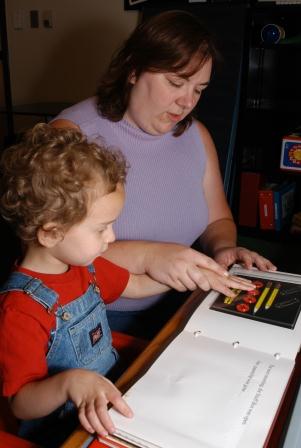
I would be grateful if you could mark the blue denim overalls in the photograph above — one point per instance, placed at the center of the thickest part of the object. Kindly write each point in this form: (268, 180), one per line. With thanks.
(82, 339)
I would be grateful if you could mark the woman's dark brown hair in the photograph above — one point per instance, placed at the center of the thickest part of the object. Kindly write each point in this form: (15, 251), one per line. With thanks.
(173, 41)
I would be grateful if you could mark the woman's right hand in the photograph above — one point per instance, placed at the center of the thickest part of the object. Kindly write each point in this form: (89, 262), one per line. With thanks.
(183, 268)
(222, 284)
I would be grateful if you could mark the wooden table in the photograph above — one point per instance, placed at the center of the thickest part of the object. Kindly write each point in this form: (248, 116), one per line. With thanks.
(81, 439)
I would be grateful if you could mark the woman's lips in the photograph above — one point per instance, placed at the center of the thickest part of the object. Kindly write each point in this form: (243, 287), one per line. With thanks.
(174, 117)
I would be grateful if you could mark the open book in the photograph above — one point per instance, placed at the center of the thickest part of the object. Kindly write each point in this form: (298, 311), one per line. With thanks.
(221, 380)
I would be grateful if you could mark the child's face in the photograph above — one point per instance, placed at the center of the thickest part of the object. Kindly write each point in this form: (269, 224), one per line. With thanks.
(85, 241)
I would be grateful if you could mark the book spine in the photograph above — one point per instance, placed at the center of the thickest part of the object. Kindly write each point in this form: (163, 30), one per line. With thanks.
(277, 210)
(266, 209)
(248, 201)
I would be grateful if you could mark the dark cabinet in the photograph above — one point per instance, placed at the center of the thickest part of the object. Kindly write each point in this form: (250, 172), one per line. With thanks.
(4, 61)
(270, 103)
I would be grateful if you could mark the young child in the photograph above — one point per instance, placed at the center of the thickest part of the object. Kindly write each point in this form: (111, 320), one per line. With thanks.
(62, 196)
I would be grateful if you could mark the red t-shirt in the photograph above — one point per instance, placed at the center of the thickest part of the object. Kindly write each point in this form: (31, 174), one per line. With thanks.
(25, 325)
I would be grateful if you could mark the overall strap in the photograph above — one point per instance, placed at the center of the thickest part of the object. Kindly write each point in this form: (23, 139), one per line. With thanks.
(92, 271)
(34, 287)
(91, 268)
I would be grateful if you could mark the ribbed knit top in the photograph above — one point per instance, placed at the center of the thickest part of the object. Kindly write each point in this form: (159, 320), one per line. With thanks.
(164, 194)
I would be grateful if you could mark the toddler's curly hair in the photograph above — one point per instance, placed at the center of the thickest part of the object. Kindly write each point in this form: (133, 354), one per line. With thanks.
(52, 176)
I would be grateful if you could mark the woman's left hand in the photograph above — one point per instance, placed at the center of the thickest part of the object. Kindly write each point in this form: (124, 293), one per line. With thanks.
(229, 255)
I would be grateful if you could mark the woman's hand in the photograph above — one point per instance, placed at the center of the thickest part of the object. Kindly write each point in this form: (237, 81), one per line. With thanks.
(222, 284)
(91, 393)
(229, 255)
(183, 268)
(180, 267)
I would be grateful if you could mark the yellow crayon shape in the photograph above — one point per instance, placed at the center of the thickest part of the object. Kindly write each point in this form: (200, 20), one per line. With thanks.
(228, 300)
(262, 297)
(272, 296)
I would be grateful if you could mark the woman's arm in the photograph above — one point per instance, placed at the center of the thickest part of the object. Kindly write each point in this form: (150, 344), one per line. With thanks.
(142, 285)
(219, 239)
(172, 264)
(221, 231)
(141, 257)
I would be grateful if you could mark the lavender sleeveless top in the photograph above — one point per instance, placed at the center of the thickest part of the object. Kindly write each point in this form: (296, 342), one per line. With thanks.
(164, 193)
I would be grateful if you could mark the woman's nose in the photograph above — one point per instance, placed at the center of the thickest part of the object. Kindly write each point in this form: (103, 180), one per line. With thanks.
(187, 100)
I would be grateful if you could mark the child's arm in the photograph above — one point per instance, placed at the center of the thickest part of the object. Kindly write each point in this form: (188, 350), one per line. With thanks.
(89, 391)
(141, 285)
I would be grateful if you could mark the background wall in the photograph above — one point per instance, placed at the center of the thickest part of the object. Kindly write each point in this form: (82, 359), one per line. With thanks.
(58, 64)
(63, 63)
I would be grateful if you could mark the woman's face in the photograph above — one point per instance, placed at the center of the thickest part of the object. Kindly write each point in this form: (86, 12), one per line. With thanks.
(159, 101)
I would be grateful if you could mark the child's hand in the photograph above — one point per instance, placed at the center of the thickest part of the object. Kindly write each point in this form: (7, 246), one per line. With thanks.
(221, 283)
(91, 393)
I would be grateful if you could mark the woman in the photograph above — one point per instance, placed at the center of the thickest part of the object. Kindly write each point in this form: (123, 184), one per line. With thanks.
(175, 195)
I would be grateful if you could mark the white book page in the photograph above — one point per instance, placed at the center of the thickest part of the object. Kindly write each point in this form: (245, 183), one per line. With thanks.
(203, 393)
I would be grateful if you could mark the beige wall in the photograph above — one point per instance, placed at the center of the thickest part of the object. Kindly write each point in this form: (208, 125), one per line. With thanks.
(63, 63)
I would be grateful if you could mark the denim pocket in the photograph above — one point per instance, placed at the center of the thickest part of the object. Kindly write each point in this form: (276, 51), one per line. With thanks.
(91, 336)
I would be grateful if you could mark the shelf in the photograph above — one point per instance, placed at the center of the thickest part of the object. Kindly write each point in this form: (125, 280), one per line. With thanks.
(265, 106)
(283, 236)
(270, 106)
(46, 109)
(277, 47)
(284, 254)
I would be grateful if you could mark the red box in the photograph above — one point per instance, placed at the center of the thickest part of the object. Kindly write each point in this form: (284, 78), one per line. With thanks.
(248, 202)
(266, 209)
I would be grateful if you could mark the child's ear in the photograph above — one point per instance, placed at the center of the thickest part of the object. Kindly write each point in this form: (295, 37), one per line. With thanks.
(50, 234)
